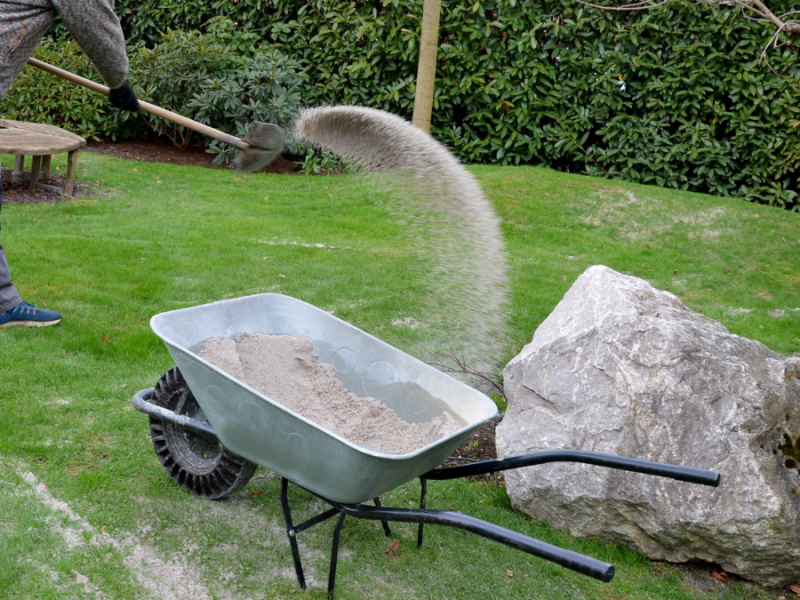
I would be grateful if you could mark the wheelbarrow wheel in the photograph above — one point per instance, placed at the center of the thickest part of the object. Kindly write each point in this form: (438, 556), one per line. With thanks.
(196, 462)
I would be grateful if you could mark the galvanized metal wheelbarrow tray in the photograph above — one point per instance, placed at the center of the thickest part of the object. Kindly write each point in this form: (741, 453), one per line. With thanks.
(211, 430)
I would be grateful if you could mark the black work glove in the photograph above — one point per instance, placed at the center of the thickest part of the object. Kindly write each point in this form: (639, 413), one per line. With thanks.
(124, 98)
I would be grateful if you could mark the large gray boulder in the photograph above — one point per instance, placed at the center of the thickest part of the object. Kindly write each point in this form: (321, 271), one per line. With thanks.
(622, 368)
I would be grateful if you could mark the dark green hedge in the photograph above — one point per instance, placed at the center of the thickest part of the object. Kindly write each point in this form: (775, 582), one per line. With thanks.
(541, 82)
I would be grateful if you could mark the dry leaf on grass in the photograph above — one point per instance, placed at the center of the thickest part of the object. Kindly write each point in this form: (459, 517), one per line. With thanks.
(720, 576)
(393, 548)
(509, 572)
(794, 588)
(106, 340)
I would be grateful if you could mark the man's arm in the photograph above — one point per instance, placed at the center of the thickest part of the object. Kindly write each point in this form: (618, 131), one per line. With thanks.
(96, 28)
(22, 25)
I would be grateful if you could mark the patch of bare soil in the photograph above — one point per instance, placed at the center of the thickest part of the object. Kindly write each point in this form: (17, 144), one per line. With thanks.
(709, 578)
(164, 151)
(20, 193)
(479, 446)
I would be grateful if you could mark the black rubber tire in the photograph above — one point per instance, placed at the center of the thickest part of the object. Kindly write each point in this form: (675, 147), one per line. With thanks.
(196, 462)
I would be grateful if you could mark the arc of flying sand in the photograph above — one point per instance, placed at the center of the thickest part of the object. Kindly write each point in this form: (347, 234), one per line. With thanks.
(471, 269)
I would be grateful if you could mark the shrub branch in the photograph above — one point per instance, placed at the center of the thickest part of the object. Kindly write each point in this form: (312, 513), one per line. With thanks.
(755, 6)
(449, 362)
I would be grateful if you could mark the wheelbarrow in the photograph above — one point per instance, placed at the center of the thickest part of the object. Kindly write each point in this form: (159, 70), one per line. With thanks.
(210, 431)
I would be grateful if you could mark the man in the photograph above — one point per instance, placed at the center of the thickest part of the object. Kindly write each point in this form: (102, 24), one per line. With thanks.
(96, 28)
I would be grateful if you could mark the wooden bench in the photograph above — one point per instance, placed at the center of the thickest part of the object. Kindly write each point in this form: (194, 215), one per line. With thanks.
(40, 142)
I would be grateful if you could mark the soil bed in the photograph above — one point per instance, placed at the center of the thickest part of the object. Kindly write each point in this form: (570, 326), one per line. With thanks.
(481, 444)
(161, 151)
(20, 193)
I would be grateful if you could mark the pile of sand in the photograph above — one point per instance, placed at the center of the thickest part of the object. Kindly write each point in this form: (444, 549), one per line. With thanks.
(284, 368)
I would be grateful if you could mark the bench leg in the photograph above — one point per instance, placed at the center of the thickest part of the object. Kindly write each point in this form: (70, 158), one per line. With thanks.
(45, 172)
(35, 168)
(19, 168)
(72, 160)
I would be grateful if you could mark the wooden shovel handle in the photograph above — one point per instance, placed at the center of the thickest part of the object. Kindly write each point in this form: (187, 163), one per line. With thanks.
(146, 106)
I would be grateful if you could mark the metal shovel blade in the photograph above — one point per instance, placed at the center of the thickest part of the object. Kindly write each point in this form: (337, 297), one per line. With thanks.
(266, 142)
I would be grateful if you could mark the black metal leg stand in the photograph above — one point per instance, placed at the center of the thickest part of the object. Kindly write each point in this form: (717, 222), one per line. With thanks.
(290, 531)
(422, 500)
(335, 554)
(566, 558)
(293, 530)
(385, 524)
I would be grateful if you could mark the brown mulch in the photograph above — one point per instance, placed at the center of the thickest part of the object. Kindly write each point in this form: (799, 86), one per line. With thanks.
(141, 150)
(479, 446)
(152, 150)
(164, 151)
(20, 193)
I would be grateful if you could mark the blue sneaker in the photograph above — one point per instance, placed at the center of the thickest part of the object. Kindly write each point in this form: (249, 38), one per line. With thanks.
(27, 315)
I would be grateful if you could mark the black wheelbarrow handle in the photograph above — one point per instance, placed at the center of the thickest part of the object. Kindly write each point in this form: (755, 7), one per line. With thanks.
(566, 558)
(689, 474)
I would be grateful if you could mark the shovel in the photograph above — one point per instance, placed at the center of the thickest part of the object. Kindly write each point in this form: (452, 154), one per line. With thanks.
(260, 147)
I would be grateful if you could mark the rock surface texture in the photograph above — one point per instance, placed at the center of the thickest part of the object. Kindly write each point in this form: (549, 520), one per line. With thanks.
(622, 368)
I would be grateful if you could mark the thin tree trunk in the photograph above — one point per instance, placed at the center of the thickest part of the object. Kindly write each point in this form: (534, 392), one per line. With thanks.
(426, 72)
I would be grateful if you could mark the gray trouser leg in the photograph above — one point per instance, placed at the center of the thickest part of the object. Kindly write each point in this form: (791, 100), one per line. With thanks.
(8, 293)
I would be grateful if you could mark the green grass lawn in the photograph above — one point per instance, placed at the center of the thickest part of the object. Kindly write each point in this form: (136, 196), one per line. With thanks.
(86, 510)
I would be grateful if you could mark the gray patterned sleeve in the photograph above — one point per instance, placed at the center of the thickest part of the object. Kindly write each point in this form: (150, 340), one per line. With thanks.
(93, 24)
(96, 28)
(22, 25)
